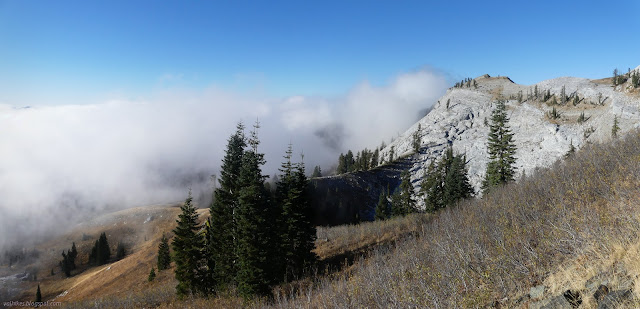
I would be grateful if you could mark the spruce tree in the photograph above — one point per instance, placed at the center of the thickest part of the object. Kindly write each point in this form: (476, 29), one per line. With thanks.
(253, 239)
(456, 182)
(342, 165)
(100, 253)
(615, 128)
(501, 148)
(416, 138)
(349, 161)
(164, 256)
(375, 158)
(120, 251)
(152, 275)
(382, 208)
(300, 233)
(72, 256)
(432, 188)
(446, 182)
(283, 202)
(222, 228)
(38, 295)
(403, 201)
(187, 246)
(64, 264)
(317, 172)
(571, 151)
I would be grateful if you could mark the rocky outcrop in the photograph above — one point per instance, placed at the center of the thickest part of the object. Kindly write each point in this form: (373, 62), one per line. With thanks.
(460, 119)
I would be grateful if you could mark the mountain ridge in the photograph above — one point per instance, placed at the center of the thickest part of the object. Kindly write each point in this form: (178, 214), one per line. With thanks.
(458, 120)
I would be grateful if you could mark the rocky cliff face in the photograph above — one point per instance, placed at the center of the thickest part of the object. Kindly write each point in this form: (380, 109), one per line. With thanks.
(458, 119)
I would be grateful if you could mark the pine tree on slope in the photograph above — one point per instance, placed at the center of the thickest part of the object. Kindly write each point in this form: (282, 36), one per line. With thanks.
(187, 247)
(301, 233)
(222, 229)
(456, 182)
(164, 256)
(403, 201)
(38, 295)
(501, 148)
(252, 214)
(382, 208)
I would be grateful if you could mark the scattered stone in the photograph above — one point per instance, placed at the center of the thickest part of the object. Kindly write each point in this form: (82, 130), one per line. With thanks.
(536, 292)
(615, 299)
(558, 302)
(600, 293)
(573, 298)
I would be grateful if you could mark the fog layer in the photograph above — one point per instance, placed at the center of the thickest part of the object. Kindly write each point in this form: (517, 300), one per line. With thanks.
(60, 163)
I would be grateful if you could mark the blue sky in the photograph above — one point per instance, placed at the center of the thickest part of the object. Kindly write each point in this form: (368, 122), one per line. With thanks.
(56, 52)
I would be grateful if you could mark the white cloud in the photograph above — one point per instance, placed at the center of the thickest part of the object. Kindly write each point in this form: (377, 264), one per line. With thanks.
(60, 160)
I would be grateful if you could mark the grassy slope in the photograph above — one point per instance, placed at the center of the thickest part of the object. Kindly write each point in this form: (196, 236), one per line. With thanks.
(118, 278)
(558, 227)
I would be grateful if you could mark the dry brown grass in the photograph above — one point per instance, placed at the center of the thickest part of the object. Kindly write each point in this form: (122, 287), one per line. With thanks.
(485, 250)
(560, 227)
(333, 241)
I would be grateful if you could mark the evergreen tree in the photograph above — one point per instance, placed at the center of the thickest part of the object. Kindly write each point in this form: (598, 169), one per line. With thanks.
(403, 201)
(342, 165)
(446, 182)
(104, 250)
(253, 239)
(501, 148)
(38, 295)
(615, 128)
(100, 253)
(349, 161)
(417, 136)
(301, 233)
(72, 256)
(382, 209)
(120, 251)
(65, 264)
(317, 172)
(221, 238)
(571, 151)
(284, 202)
(375, 158)
(456, 182)
(391, 154)
(152, 275)
(187, 247)
(164, 256)
(432, 188)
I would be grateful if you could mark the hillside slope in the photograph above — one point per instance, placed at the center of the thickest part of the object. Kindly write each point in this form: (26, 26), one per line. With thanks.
(561, 234)
(139, 229)
(460, 119)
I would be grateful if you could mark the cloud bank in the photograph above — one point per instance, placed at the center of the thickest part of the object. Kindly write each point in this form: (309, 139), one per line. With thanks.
(60, 163)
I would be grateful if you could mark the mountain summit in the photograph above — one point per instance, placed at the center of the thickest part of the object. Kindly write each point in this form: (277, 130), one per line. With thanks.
(546, 119)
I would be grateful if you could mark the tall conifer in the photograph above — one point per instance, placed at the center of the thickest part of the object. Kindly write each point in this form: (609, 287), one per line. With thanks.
(252, 213)
(164, 256)
(187, 246)
(501, 148)
(222, 227)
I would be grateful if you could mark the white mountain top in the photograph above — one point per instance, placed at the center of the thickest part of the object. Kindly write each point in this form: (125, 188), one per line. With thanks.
(539, 139)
